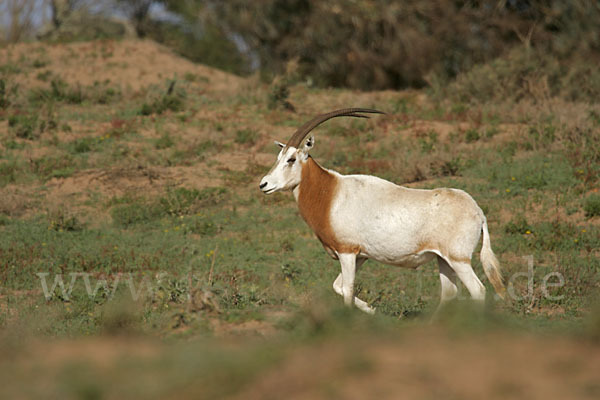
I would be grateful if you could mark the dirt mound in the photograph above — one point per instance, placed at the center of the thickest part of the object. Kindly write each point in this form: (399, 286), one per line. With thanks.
(426, 365)
(130, 64)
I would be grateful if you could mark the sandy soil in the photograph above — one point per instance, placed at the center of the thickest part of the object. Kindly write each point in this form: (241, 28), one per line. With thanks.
(131, 64)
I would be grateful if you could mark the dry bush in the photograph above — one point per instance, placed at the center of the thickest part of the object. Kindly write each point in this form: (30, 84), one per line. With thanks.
(526, 74)
(371, 44)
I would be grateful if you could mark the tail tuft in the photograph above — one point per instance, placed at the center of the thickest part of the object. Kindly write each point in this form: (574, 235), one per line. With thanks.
(491, 265)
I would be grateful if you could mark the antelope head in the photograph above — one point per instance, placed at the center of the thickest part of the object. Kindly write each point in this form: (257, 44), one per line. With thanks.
(287, 171)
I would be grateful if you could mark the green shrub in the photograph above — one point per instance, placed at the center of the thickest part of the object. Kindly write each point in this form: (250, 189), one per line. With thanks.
(543, 135)
(8, 69)
(44, 76)
(146, 109)
(518, 224)
(3, 98)
(179, 201)
(164, 142)
(53, 166)
(102, 93)
(40, 63)
(472, 135)
(61, 221)
(8, 172)
(203, 227)
(429, 142)
(279, 93)
(191, 77)
(246, 136)
(173, 100)
(290, 272)
(491, 132)
(211, 196)
(7, 94)
(591, 206)
(31, 125)
(24, 126)
(582, 150)
(451, 168)
(182, 201)
(83, 145)
(129, 214)
(14, 145)
(48, 118)
(59, 91)
(206, 146)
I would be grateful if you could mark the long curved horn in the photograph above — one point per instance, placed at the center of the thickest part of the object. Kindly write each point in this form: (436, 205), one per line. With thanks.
(305, 129)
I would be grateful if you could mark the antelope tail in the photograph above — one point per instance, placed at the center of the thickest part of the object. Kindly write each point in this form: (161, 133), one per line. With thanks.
(491, 265)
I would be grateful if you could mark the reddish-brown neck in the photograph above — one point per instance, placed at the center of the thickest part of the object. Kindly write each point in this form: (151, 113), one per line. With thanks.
(317, 191)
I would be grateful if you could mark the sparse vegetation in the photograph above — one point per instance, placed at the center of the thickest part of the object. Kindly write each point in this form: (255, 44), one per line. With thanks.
(171, 100)
(24, 126)
(168, 202)
(246, 136)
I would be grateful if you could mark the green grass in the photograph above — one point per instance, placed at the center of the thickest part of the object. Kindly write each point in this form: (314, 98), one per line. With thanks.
(254, 267)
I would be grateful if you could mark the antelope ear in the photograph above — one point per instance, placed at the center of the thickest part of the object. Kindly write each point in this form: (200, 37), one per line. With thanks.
(309, 143)
(279, 144)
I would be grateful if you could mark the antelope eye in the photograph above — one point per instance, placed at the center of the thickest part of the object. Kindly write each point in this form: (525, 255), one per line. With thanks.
(291, 160)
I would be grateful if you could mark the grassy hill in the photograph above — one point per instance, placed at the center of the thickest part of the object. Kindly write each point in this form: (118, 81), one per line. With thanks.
(130, 176)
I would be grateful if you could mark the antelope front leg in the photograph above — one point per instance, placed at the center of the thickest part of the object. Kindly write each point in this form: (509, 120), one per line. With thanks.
(348, 262)
(360, 304)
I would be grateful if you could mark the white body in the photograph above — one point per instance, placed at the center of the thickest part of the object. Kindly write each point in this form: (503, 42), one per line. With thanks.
(390, 221)
(358, 217)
